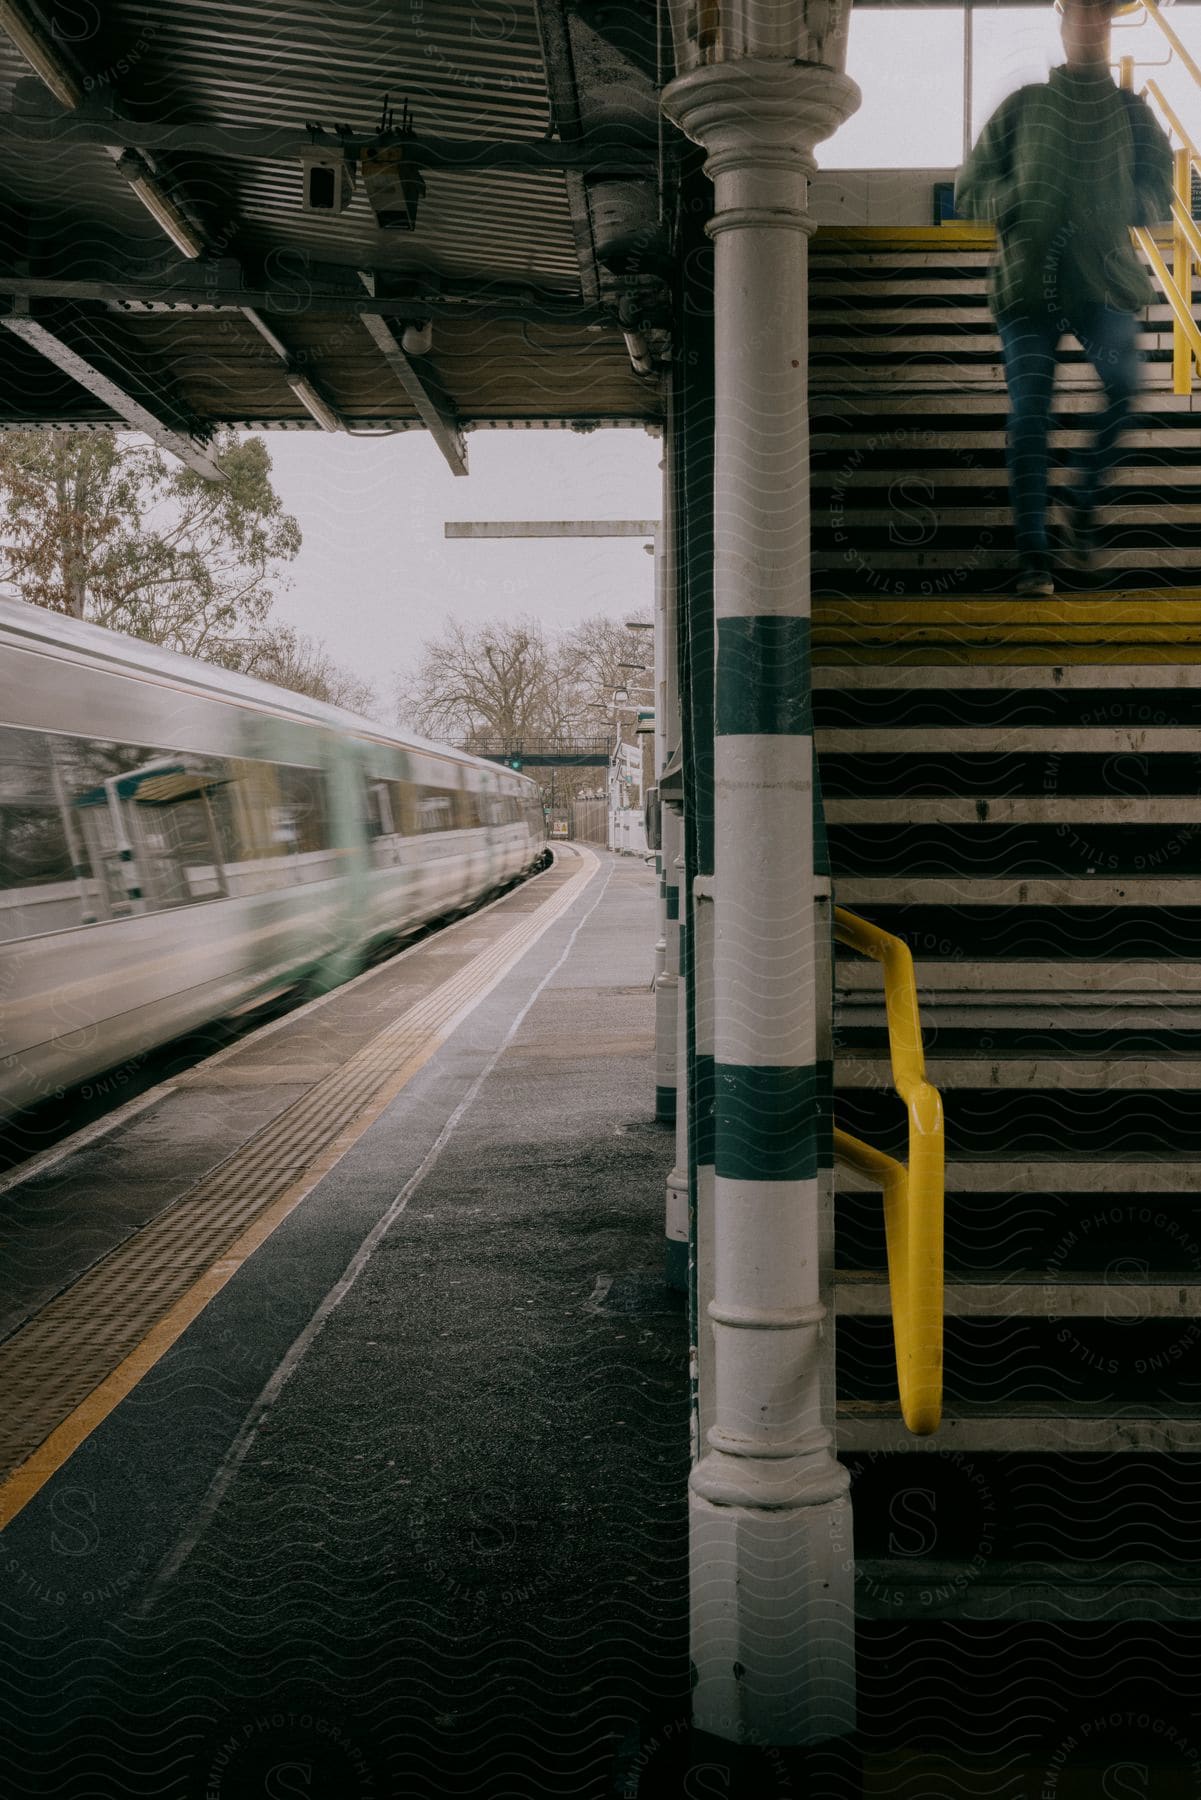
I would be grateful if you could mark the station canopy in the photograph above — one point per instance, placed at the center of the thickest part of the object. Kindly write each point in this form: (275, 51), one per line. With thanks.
(360, 215)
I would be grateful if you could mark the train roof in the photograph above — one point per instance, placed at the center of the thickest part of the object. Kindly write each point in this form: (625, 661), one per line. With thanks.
(56, 631)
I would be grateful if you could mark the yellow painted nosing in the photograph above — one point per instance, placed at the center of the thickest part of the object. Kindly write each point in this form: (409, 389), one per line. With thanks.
(1060, 655)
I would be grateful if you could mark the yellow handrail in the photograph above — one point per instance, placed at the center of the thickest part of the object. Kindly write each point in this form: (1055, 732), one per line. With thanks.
(1186, 240)
(1153, 13)
(913, 1192)
(1155, 92)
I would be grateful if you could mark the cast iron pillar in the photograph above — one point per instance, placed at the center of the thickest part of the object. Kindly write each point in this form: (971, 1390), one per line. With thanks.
(772, 1568)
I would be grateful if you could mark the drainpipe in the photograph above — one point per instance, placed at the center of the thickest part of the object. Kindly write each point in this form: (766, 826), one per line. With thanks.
(666, 967)
(772, 1570)
(671, 1021)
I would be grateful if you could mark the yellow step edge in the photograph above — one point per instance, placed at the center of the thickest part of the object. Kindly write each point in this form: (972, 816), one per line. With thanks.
(1178, 606)
(1012, 655)
(956, 231)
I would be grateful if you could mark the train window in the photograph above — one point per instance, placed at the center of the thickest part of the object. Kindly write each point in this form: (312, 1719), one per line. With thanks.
(33, 838)
(435, 809)
(244, 808)
(384, 807)
(301, 821)
(38, 891)
(467, 810)
(93, 775)
(404, 807)
(174, 834)
(378, 819)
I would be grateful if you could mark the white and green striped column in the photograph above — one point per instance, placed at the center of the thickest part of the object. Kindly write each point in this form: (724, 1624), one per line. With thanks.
(772, 1570)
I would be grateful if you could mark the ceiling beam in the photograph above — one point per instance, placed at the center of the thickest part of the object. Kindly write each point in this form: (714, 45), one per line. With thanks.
(565, 120)
(136, 414)
(619, 152)
(212, 287)
(416, 375)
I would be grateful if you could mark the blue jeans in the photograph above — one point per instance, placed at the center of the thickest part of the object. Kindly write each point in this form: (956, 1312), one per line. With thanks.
(1110, 341)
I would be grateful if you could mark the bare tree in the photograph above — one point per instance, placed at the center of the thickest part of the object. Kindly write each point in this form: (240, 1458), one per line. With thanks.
(303, 664)
(509, 681)
(597, 657)
(494, 680)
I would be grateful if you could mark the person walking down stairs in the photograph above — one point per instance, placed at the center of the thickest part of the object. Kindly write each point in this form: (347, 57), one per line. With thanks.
(1064, 168)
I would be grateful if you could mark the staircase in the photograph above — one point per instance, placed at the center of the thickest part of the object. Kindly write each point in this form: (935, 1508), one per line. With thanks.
(1014, 788)
(910, 494)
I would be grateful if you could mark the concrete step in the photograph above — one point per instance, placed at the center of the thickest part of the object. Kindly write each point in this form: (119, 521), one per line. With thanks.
(1152, 477)
(994, 1123)
(969, 562)
(865, 892)
(981, 1588)
(1115, 1225)
(861, 305)
(1099, 809)
(994, 1069)
(846, 369)
(1178, 409)
(1086, 1365)
(954, 513)
(875, 1426)
(1161, 1294)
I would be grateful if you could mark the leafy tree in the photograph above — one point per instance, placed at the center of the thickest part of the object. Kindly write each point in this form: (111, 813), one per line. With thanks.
(107, 527)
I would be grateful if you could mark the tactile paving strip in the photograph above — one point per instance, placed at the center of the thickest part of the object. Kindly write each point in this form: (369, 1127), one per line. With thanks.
(54, 1362)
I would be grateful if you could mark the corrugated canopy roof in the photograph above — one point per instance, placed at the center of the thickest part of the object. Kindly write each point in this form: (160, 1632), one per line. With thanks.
(162, 268)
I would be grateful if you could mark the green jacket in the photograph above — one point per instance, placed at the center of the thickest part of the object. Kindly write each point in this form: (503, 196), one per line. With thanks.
(1065, 167)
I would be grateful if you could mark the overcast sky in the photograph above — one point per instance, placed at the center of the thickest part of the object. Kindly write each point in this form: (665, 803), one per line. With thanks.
(375, 575)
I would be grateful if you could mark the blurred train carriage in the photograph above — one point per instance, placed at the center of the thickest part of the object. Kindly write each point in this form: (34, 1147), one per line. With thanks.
(178, 842)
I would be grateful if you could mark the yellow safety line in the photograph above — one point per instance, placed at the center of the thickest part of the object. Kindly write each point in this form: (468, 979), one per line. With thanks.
(25, 1481)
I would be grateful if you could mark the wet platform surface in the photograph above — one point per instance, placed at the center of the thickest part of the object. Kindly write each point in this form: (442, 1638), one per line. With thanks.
(402, 1510)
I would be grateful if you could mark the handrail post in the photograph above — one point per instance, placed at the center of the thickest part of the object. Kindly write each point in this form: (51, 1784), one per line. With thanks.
(913, 1191)
(1182, 270)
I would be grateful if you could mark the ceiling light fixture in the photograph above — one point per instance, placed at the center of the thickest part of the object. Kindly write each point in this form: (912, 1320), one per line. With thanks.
(162, 210)
(314, 403)
(44, 61)
(418, 340)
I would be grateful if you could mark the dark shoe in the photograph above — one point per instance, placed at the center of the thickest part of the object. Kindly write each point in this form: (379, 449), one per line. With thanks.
(1081, 524)
(1034, 583)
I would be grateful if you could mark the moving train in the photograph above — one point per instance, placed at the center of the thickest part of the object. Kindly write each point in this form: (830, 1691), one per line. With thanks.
(178, 844)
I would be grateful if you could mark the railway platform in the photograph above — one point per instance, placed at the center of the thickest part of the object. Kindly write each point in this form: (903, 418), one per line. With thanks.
(346, 1441)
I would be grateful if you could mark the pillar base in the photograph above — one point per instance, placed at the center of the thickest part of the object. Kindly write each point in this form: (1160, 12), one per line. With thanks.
(773, 1621)
(668, 1758)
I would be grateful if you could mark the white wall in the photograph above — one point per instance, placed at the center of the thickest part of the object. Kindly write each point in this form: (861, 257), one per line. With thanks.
(875, 196)
(628, 830)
